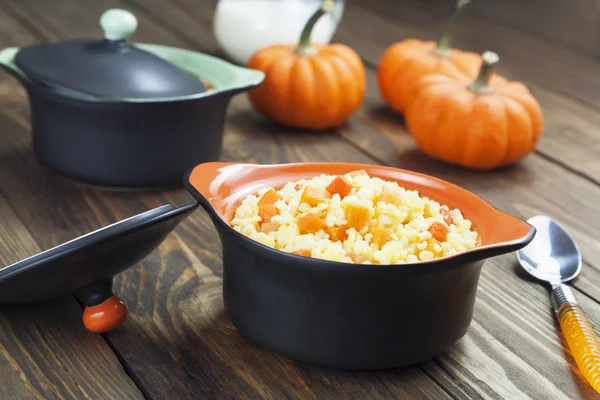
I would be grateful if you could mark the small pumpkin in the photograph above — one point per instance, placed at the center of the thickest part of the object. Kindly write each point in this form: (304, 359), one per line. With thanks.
(308, 85)
(405, 62)
(480, 124)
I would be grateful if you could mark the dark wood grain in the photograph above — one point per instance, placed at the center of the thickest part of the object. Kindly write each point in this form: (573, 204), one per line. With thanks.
(371, 132)
(532, 187)
(179, 344)
(45, 352)
(536, 186)
(533, 59)
(383, 135)
(570, 24)
(571, 135)
(177, 341)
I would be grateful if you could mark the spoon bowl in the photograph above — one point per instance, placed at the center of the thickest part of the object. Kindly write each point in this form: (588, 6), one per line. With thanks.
(552, 256)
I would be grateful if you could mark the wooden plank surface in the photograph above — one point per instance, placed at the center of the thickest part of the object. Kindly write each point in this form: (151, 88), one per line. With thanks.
(156, 340)
(178, 342)
(523, 55)
(570, 24)
(571, 136)
(45, 352)
(382, 134)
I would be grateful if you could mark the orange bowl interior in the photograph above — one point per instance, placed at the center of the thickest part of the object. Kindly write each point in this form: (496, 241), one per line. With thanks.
(224, 185)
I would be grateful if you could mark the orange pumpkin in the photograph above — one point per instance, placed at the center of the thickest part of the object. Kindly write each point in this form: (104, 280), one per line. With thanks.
(405, 62)
(308, 85)
(477, 125)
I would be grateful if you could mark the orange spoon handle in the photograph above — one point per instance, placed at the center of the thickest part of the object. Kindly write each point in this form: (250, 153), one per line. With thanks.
(579, 334)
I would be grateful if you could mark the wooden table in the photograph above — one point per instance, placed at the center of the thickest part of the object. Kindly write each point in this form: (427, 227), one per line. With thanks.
(178, 343)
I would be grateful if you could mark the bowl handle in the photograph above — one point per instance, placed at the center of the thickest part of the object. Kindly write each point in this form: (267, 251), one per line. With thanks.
(513, 230)
(207, 182)
(508, 234)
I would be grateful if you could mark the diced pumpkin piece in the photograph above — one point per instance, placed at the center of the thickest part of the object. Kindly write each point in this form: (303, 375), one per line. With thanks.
(337, 233)
(357, 217)
(339, 185)
(439, 231)
(426, 211)
(388, 196)
(448, 219)
(357, 258)
(270, 197)
(445, 212)
(303, 253)
(269, 227)
(380, 236)
(312, 196)
(358, 172)
(310, 223)
(266, 212)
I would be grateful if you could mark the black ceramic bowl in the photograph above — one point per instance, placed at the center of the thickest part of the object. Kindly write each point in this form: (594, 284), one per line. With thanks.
(348, 316)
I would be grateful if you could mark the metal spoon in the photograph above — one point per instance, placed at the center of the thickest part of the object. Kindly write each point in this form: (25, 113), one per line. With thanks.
(553, 256)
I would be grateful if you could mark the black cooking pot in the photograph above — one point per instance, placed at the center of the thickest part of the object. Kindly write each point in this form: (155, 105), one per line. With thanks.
(112, 114)
(349, 316)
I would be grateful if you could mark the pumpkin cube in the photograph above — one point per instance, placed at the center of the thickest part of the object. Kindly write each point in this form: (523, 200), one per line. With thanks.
(337, 233)
(445, 212)
(312, 196)
(357, 173)
(380, 236)
(266, 212)
(268, 227)
(388, 196)
(357, 217)
(357, 258)
(448, 219)
(270, 197)
(303, 252)
(339, 185)
(310, 223)
(439, 231)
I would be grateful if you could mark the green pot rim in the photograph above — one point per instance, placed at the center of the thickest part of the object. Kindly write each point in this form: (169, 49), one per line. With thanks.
(224, 76)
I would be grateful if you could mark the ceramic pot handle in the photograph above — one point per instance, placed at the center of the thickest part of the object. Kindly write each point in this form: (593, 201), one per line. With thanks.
(105, 316)
(118, 24)
(579, 333)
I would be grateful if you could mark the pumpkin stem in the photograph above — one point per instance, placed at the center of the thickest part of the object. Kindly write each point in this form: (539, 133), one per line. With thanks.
(304, 47)
(489, 60)
(445, 40)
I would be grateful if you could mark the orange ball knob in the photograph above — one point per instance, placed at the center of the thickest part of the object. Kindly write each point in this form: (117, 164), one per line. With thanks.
(105, 316)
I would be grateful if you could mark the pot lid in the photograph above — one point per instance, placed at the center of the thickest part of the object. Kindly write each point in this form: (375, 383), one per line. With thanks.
(109, 67)
(89, 259)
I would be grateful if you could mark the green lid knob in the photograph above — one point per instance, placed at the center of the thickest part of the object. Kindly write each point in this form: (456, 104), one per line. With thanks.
(118, 24)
